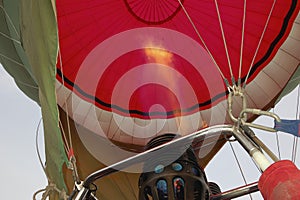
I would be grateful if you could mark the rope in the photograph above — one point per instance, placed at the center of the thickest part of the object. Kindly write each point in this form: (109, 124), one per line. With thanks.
(38, 150)
(298, 104)
(278, 145)
(201, 39)
(295, 142)
(65, 101)
(239, 166)
(66, 145)
(72, 161)
(71, 158)
(259, 43)
(242, 42)
(51, 187)
(224, 39)
(277, 140)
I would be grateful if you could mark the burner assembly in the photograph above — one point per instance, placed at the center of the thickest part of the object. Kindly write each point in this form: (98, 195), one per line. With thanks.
(179, 179)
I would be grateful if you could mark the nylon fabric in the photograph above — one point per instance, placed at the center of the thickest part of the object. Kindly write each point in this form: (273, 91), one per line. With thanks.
(39, 33)
(12, 54)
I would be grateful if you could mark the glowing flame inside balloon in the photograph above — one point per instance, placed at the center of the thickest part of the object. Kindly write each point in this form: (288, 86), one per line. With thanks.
(159, 55)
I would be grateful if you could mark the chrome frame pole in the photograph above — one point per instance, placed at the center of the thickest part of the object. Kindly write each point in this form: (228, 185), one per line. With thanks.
(237, 192)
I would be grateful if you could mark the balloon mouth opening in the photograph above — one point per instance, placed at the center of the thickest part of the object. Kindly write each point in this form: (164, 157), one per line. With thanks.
(181, 179)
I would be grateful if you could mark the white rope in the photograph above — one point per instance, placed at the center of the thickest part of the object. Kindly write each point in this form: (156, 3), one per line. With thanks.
(65, 101)
(66, 145)
(51, 186)
(239, 166)
(37, 192)
(198, 34)
(50, 189)
(242, 41)
(259, 43)
(277, 140)
(69, 147)
(224, 39)
(38, 150)
(295, 142)
(63, 82)
(278, 145)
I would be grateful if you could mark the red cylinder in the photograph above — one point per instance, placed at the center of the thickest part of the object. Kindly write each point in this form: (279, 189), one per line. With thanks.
(280, 181)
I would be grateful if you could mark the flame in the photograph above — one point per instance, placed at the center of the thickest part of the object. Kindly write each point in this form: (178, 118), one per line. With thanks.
(158, 54)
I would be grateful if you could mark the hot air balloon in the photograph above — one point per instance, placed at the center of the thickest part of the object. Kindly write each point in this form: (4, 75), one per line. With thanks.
(148, 92)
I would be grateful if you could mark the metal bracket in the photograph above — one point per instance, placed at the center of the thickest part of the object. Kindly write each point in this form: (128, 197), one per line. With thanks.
(239, 92)
(259, 112)
(242, 118)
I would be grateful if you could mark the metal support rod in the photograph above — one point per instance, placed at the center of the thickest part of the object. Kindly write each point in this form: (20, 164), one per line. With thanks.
(237, 192)
(259, 113)
(265, 148)
(260, 159)
(82, 195)
(257, 141)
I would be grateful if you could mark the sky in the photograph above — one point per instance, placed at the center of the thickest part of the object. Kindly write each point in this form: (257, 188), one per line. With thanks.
(21, 173)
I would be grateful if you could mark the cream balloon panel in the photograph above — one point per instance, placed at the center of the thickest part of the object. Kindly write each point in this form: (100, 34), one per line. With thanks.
(273, 78)
(123, 129)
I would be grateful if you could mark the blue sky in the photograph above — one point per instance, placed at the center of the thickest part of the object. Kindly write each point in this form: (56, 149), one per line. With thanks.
(21, 174)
